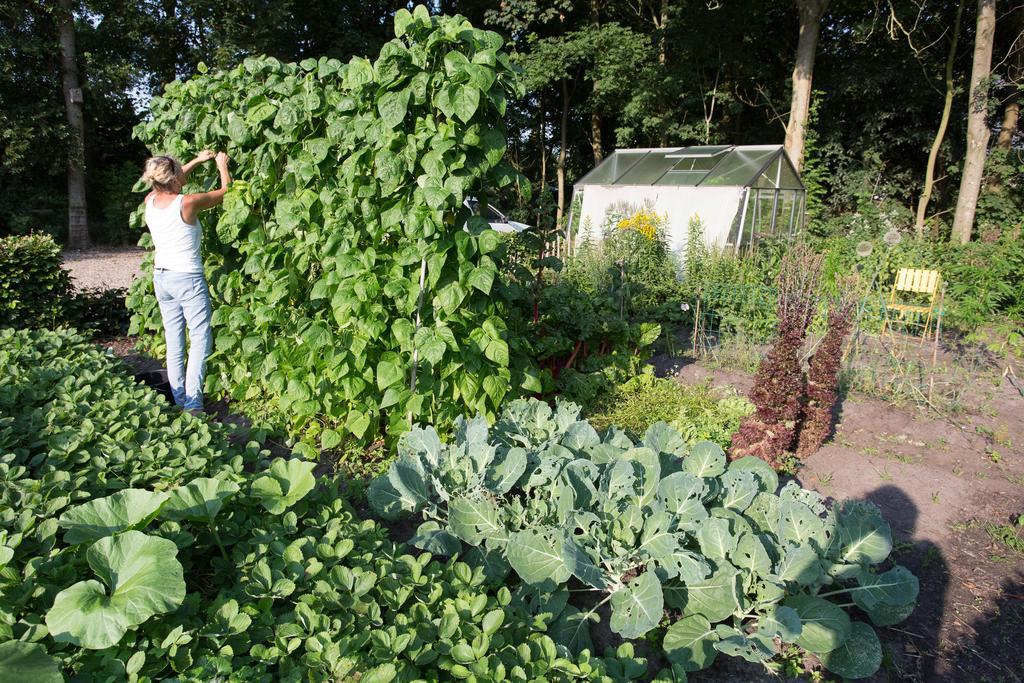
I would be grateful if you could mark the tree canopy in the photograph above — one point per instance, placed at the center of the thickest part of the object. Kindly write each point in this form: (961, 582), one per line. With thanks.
(630, 73)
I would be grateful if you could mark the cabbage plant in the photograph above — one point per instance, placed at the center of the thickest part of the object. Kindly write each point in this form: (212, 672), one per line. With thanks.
(740, 564)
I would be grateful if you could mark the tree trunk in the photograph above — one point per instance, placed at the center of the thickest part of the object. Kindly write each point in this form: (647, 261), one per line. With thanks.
(596, 124)
(947, 107)
(977, 124)
(661, 26)
(811, 12)
(543, 150)
(1011, 112)
(1011, 119)
(78, 221)
(595, 134)
(560, 169)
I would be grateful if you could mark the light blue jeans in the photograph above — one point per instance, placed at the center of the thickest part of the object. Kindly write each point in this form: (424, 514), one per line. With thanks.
(185, 300)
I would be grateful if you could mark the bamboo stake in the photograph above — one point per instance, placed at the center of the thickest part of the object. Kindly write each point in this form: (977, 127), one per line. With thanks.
(938, 326)
(416, 351)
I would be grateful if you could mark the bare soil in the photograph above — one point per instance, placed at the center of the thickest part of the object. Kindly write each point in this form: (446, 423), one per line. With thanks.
(943, 482)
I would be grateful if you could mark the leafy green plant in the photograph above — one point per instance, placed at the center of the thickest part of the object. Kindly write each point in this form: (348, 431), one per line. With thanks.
(33, 285)
(28, 661)
(286, 482)
(137, 543)
(143, 580)
(354, 291)
(647, 526)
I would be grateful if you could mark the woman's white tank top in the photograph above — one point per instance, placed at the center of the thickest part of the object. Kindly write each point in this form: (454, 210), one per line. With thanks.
(176, 242)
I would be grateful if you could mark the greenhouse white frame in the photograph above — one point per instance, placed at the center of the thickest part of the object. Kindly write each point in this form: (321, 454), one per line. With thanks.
(741, 194)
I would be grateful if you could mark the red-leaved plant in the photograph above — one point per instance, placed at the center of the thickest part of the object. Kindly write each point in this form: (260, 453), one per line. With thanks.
(779, 384)
(823, 374)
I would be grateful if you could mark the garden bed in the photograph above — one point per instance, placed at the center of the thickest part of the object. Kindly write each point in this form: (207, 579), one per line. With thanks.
(946, 494)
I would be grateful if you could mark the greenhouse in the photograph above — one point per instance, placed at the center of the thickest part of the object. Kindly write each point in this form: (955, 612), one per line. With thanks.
(740, 194)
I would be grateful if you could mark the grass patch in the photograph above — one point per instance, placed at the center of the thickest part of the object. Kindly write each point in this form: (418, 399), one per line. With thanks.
(697, 411)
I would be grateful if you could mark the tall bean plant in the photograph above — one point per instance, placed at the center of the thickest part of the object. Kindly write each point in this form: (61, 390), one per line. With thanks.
(353, 291)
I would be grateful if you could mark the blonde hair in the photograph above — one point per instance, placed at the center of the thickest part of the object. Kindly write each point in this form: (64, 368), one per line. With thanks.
(161, 172)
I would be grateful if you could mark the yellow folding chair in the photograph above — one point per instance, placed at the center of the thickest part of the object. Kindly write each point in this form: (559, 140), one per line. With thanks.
(914, 281)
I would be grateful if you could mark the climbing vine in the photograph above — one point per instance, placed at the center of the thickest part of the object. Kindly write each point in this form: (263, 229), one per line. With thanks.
(353, 291)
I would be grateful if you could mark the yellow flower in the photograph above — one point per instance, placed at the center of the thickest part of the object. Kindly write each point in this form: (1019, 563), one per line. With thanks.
(643, 222)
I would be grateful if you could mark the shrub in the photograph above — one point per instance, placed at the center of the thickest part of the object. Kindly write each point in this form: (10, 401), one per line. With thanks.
(101, 312)
(33, 285)
(779, 384)
(355, 179)
(648, 526)
(140, 543)
(36, 291)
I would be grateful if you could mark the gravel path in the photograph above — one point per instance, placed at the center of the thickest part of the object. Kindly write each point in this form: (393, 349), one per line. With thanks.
(104, 267)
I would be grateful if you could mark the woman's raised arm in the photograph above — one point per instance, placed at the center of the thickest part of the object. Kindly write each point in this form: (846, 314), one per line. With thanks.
(205, 155)
(194, 203)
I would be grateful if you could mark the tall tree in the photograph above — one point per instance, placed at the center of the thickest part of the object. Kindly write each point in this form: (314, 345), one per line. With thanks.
(596, 144)
(811, 13)
(1015, 79)
(977, 124)
(947, 107)
(78, 221)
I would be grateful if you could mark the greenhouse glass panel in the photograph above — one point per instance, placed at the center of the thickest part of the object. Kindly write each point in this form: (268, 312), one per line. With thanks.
(740, 167)
(647, 171)
(765, 204)
(700, 163)
(788, 178)
(785, 214)
(614, 166)
(769, 179)
(749, 222)
(687, 178)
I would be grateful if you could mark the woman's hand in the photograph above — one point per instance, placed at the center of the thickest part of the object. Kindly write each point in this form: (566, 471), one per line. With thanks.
(205, 155)
(194, 203)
